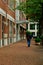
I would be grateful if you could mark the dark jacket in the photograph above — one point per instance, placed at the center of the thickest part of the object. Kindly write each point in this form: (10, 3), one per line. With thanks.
(29, 37)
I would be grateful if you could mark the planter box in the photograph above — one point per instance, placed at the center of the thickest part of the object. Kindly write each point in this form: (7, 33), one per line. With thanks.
(37, 43)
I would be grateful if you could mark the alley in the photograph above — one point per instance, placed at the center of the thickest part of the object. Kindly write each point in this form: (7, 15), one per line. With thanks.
(20, 54)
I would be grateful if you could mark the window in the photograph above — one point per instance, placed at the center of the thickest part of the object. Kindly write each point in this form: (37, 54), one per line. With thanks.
(33, 33)
(11, 4)
(32, 26)
(37, 26)
(5, 1)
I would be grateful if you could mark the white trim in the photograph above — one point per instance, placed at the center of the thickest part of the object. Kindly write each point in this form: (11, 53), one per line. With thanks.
(23, 26)
(1, 43)
(17, 11)
(14, 35)
(5, 42)
(14, 39)
(5, 35)
(10, 18)
(9, 40)
(6, 23)
(17, 3)
(33, 22)
(22, 22)
(33, 30)
(35, 33)
(17, 14)
(2, 12)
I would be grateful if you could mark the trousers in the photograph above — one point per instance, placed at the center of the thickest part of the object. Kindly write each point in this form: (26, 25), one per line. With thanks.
(28, 42)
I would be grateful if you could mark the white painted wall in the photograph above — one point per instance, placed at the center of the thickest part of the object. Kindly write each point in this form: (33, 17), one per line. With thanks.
(17, 11)
(5, 42)
(1, 43)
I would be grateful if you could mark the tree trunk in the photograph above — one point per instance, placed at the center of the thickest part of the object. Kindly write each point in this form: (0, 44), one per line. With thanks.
(41, 30)
(41, 26)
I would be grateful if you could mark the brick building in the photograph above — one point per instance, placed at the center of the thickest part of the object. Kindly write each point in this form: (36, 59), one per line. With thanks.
(20, 22)
(32, 26)
(7, 23)
(10, 22)
(12, 27)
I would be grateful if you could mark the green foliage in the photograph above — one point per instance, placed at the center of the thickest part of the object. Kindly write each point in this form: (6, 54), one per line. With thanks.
(28, 32)
(41, 37)
(42, 1)
(37, 39)
(32, 9)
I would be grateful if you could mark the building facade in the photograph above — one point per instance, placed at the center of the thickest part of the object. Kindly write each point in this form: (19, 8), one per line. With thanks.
(7, 24)
(20, 16)
(13, 23)
(33, 27)
(10, 22)
(20, 22)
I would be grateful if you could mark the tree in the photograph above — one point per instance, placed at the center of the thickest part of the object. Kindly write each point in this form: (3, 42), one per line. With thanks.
(33, 9)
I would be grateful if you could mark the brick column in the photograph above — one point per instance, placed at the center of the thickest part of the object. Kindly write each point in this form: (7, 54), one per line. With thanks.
(8, 32)
(19, 32)
(0, 30)
(14, 32)
(5, 31)
(5, 26)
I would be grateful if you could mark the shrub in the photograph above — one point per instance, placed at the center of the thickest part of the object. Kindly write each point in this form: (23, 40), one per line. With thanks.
(37, 39)
(41, 37)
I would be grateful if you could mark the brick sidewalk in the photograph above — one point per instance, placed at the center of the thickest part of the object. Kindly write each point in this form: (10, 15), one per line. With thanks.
(20, 54)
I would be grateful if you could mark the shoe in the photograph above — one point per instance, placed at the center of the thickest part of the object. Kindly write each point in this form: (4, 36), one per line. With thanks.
(28, 45)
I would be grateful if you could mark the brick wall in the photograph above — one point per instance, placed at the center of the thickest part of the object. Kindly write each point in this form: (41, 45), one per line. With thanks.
(5, 7)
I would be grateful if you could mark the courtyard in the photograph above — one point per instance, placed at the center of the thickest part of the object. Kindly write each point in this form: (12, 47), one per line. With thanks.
(20, 54)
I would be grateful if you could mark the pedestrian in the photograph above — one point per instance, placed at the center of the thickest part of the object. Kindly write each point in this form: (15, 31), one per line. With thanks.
(28, 37)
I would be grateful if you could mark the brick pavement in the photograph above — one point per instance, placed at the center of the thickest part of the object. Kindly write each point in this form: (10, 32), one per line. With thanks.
(20, 54)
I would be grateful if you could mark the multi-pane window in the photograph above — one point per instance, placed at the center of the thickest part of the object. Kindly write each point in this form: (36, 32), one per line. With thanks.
(11, 4)
(33, 33)
(32, 26)
(5, 1)
(37, 26)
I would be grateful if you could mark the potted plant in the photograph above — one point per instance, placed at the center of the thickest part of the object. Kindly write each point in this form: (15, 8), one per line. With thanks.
(37, 40)
(41, 37)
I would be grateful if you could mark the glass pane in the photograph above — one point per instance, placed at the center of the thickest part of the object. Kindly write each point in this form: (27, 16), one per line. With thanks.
(32, 26)
(11, 4)
(33, 33)
(37, 26)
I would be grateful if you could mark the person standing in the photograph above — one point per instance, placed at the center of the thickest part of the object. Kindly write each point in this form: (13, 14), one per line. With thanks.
(28, 37)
